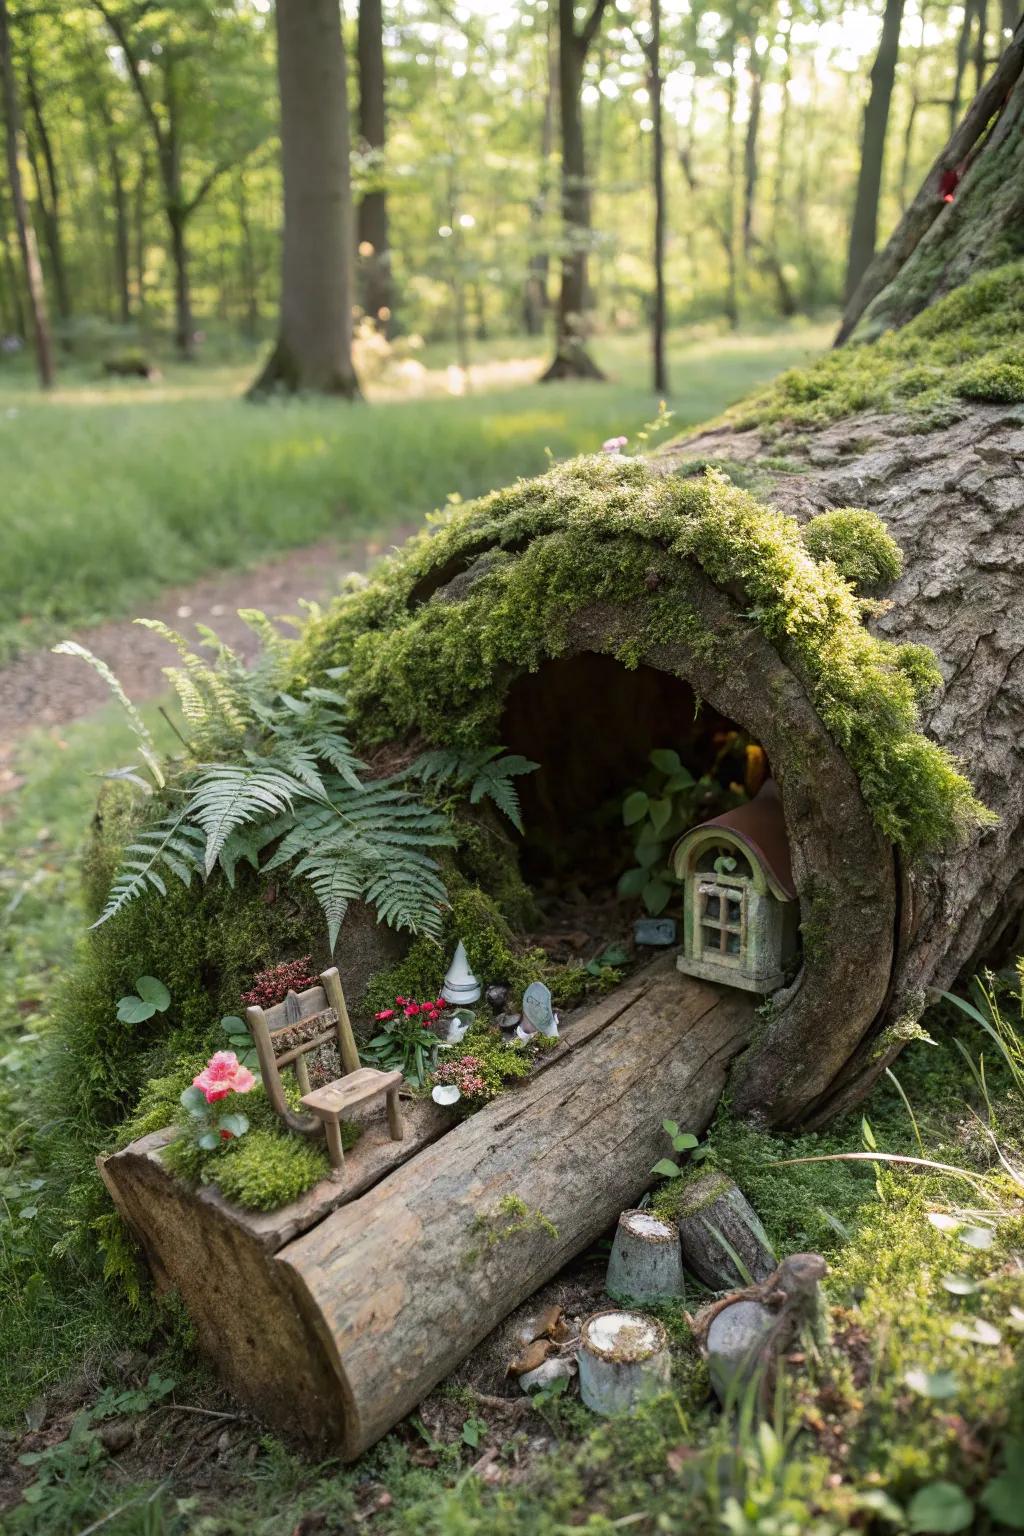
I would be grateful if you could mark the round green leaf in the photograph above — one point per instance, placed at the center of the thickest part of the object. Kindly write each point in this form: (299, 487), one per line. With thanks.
(940, 1508)
(1004, 1499)
(208, 1140)
(134, 1010)
(194, 1100)
(660, 811)
(234, 1025)
(684, 1141)
(634, 807)
(236, 1125)
(678, 781)
(935, 1384)
(960, 1285)
(978, 1237)
(666, 1169)
(153, 991)
(665, 760)
(648, 854)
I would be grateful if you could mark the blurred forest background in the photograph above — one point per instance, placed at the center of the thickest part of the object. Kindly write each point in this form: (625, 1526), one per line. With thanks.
(148, 147)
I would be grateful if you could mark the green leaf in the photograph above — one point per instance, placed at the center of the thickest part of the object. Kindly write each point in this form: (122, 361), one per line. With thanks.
(657, 896)
(960, 1285)
(632, 882)
(940, 1508)
(1004, 1498)
(868, 1135)
(153, 991)
(236, 1124)
(679, 781)
(133, 1010)
(660, 813)
(634, 807)
(666, 1169)
(648, 854)
(233, 1025)
(977, 1237)
(194, 1100)
(665, 760)
(932, 1384)
(671, 1126)
(684, 1141)
(209, 1140)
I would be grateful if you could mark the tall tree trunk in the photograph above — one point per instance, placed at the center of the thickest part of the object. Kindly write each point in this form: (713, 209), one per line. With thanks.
(654, 85)
(963, 50)
(13, 314)
(374, 248)
(249, 272)
(314, 344)
(572, 359)
(139, 210)
(750, 149)
(34, 285)
(184, 327)
(49, 198)
(122, 236)
(731, 303)
(864, 226)
(980, 56)
(535, 297)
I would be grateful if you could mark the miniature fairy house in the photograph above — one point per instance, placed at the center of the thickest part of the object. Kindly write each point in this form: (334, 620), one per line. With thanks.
(740, 912)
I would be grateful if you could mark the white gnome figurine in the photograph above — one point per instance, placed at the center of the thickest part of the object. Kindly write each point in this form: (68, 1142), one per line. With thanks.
(460, 987)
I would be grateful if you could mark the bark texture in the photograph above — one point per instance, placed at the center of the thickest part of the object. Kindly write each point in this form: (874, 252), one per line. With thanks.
(864, 228)
(336, 1333)
(314, 344)
(953, 498)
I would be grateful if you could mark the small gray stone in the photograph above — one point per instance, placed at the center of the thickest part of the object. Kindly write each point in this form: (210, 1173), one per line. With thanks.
(733, 1345)
(655, 932)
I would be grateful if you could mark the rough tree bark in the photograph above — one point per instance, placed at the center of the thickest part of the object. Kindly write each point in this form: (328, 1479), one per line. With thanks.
(374, 249)
(864, 226)
(34, 285)
(314, 343)
(650, 42)
(937, 244)
(572, 359)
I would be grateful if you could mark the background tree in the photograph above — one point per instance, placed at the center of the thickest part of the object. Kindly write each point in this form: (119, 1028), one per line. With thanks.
(864, 225)
(376, 288)
(23, 223)
(314, 343)
(572, 359)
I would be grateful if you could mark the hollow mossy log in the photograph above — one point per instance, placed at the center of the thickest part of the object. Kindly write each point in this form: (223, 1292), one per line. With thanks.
(953, 498)
(335, 1322)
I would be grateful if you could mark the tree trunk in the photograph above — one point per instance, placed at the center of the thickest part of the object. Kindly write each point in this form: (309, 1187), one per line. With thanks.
(938, 243)
(13, 314)
(374, 249)
(572, 359)
(750, 150)
(864, 227)
(963, 49)
(314, 344)
(535, 298)
(334, 1324)
(250, 271)
(49, 200)
(184, 326)
(658, 318)
(34, 285)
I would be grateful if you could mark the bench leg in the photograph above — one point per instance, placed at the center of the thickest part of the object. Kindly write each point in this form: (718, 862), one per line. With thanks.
(396, 1125)
(335, 1150)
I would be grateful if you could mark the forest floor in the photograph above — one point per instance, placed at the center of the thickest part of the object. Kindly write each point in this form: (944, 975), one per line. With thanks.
(108, 1423)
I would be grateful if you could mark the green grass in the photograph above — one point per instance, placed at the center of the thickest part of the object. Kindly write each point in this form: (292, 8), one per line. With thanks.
(114, 489)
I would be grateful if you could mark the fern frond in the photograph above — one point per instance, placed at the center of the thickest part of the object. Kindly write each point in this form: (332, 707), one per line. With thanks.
(171, 843)
(224, 797)
(408, 898)
(335, 883)
(486, 774)
(218, 700)
(138, 725)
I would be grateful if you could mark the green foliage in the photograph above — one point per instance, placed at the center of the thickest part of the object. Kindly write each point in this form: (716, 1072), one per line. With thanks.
(682, 1141)
(498, 1064)
(669, 805)
(597, 530)
(966, 344)
(859, 545)
(403, 1044)
(150, 996)
(292, 780)
(485, 774)
(269, 1170)
(1000, 383)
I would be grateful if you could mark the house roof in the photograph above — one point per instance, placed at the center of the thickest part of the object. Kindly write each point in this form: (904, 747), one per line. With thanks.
(760, 826)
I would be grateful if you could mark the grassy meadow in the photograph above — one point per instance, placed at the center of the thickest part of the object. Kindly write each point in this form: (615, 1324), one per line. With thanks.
(110, 490)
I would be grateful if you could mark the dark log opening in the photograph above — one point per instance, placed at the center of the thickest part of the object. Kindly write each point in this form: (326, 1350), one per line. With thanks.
(592, 724)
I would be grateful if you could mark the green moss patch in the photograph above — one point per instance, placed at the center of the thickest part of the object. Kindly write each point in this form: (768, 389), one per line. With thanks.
(967, 344)
(602, 529)
(859, 545)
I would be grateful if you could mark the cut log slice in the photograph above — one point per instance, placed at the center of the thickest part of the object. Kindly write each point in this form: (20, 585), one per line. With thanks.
(721, 1239)
(623, 1357)
(645, 1263)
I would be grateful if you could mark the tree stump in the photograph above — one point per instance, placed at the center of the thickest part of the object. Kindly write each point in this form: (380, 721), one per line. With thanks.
(717, 1226)
(623, 1357)
(645, 1263)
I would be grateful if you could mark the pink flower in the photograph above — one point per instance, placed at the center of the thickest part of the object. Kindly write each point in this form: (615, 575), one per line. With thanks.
(385, 1014)
(614, 444)
(223, 1074)
(412, 1010)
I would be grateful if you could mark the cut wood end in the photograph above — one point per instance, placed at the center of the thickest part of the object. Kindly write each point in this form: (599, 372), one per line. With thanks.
(651, 1228)
(626, 1338)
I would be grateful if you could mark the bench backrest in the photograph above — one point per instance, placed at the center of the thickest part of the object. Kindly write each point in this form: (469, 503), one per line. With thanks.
(285, 1034)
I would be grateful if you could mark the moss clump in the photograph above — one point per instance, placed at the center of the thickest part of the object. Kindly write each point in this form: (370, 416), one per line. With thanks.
(859, 545)
(601, 529)
(974, 332)
(1001, 383)
(264, 1171)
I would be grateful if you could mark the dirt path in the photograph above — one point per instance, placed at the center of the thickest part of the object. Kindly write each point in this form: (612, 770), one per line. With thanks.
(41, 689)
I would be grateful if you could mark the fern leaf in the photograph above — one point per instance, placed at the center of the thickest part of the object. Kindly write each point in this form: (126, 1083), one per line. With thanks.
(335, 883)
(408, 898)
(224, 798)
(494, 782)
(172, 843)
(138, 725)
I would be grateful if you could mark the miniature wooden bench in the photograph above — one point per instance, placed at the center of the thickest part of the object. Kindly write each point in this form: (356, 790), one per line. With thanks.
(305, 1022)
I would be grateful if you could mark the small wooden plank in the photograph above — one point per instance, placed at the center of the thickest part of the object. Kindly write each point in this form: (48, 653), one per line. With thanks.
(348, 1092)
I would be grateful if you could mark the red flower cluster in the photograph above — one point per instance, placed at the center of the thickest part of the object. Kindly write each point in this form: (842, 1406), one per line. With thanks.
(428, 1013)
(272, 987)
(465, 1075)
